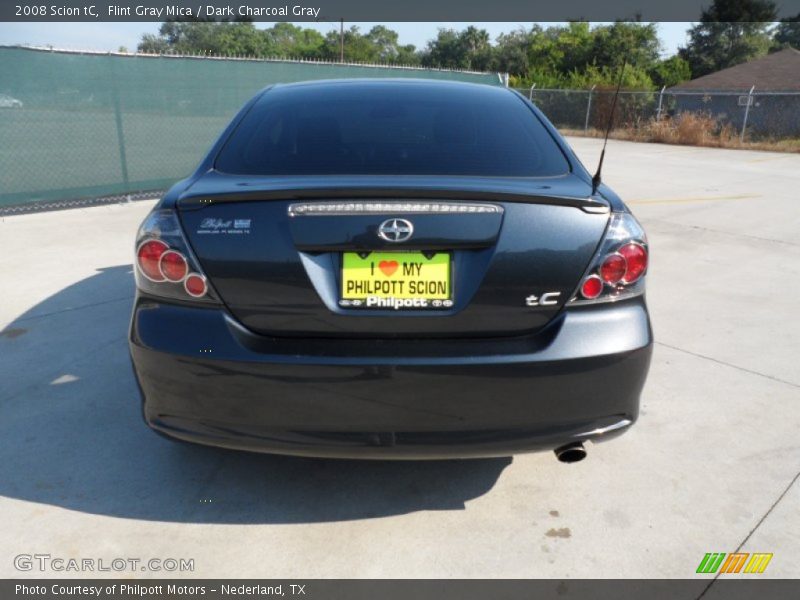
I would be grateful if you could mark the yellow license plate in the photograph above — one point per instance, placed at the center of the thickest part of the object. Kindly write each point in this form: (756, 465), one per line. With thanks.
(396, 280)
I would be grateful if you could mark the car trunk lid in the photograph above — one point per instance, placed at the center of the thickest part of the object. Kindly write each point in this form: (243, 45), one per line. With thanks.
(275, 248)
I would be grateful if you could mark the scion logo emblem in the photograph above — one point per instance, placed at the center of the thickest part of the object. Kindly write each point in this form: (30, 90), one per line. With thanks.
(395, 230)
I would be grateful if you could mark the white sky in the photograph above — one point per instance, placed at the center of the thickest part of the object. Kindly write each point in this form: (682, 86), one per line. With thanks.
(110, 36)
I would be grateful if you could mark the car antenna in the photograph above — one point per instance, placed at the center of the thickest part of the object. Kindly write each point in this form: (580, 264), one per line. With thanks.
(596, 179)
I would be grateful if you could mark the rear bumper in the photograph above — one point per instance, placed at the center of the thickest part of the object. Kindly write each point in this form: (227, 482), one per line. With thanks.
(204, 379)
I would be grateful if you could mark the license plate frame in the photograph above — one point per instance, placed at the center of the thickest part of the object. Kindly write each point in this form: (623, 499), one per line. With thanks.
(399, 280)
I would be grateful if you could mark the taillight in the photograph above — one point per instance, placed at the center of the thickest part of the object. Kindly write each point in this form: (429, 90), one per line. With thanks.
(592, 287)
(148, 257)
(613, 268)
(617, 270)
(165, 265)
(636, 259)
(195, 285)
(173, 266)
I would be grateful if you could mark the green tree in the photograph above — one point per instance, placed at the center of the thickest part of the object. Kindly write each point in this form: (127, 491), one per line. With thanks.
(387, 47)
(240, 39)
(291, 41)
(606, 77)
(571, 55)
(207, 37)
(357, 47)
(511, 53)
(468, 49)
(577, 55)
(729, 33)
(670, 71)
(153, 44)
(408, 55)
(636, 43)
(379, 45)
(787, 33)
(445, 51)
(554, 51)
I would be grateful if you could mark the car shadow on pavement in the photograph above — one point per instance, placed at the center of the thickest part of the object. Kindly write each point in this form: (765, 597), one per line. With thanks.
(72, 436)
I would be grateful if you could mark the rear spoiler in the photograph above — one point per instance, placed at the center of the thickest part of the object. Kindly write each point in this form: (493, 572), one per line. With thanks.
(192, 200)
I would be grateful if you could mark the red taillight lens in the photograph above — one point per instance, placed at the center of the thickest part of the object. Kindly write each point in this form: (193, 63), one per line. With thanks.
(592, 287)
(195, 285)
(636, 258)
(617, 269)
(148, 257)
(613, 268)
(173, 266)
(164, 262)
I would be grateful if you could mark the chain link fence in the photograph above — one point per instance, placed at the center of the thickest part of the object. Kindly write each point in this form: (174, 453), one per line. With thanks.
(102, 125)
(750, 116)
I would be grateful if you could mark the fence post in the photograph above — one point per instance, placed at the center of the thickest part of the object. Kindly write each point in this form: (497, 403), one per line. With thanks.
(530, 94)
(746, 112)
(588, 110)
(123, 159)
(660, 100)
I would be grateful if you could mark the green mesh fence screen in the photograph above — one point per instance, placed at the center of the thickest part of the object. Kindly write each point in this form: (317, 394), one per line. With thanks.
(86, 125)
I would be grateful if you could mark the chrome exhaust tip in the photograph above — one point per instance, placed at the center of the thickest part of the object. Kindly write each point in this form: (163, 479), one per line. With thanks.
(571, 453)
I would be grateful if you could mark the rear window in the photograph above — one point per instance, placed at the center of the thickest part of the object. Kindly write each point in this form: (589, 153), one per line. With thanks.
(403, 129)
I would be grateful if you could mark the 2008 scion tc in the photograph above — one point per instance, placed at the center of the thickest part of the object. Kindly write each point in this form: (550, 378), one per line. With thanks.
(391, 269)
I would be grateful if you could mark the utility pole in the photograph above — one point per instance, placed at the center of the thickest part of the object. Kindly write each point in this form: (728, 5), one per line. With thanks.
(341, 40)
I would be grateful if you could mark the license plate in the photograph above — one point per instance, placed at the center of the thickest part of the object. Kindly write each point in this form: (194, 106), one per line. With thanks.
(396, 280)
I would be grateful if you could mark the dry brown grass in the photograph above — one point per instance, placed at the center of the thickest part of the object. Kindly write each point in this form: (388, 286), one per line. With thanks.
(689, 129)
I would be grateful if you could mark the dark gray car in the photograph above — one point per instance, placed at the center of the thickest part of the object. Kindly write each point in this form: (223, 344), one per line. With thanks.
(391, 269)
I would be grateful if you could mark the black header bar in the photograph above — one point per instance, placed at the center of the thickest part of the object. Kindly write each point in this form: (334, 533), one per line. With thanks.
(362, 10)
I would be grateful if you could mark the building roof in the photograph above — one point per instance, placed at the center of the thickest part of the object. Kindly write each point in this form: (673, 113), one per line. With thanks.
(777, 72)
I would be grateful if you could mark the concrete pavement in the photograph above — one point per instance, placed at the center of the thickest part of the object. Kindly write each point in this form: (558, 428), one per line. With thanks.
(711, 466)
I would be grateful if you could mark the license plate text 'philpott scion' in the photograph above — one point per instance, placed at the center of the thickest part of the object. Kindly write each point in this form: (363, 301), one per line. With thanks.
(396, 280)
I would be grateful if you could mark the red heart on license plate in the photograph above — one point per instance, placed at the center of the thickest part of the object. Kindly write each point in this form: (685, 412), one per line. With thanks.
(388, 267)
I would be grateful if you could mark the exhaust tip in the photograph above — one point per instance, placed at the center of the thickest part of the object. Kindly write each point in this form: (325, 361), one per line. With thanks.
(571, 453)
